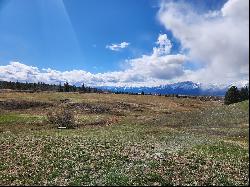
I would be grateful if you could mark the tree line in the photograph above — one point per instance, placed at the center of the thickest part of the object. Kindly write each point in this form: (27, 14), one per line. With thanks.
(41, 86)
(234, 95)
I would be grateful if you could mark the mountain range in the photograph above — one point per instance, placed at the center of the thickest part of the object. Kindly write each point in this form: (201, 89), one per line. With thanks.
(184, 88)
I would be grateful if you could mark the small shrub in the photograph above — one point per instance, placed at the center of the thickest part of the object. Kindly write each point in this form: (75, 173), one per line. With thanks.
(62, 117)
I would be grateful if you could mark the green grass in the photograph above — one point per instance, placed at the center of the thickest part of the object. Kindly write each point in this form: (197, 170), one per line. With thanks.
(198, 146)
(19, 118)
(244, 105)
(108, 160)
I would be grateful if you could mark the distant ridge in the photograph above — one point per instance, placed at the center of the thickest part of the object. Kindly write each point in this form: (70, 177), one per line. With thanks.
(185, 88)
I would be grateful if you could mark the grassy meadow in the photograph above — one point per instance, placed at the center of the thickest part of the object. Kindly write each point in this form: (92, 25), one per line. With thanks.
(123, 140)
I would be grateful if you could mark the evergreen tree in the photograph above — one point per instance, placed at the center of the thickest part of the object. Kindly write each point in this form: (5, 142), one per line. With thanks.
(232, 95)
(89, 90)
(66, 87)
(244, 93)
(60, 89)
(74, 88)
(41, 86)
(83, 87)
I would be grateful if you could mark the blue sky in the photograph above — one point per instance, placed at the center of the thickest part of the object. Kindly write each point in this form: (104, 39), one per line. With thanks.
(67, 35)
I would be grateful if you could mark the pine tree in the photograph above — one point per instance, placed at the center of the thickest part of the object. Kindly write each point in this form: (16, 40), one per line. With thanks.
(232, 95)
(60, 89)
(83, 88)
(244, 93)
(66, 87)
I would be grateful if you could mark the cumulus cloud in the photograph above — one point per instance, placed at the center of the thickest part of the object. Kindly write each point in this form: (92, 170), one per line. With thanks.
(118, 47)
(17, 71)
(164, 46)
(148, 70)
(159, 67)
(218, 40)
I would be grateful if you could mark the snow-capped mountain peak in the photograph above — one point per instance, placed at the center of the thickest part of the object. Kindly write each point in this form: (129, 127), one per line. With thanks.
(186, 87)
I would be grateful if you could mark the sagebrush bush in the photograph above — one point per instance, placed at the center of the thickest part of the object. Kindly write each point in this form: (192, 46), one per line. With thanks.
(62, 116)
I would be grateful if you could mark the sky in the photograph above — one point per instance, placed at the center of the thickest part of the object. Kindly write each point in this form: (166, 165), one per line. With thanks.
(124, 42)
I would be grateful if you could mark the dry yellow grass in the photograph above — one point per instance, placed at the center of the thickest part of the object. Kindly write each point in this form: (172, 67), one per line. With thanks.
(157, 103)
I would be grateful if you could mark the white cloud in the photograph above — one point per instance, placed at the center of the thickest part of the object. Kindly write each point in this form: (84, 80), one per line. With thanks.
(155, 69)
(21, 72)
(218, 40)
(158, 67)
(164, 47)
(118, 47)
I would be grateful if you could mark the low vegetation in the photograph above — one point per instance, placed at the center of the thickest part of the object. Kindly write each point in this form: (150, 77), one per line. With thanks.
(122, 140)
(62, 117)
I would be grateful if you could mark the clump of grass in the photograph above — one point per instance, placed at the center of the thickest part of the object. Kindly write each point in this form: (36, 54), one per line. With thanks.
(62, 116)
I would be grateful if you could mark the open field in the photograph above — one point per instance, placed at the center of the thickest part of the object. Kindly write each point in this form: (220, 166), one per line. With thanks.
(123, 140)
